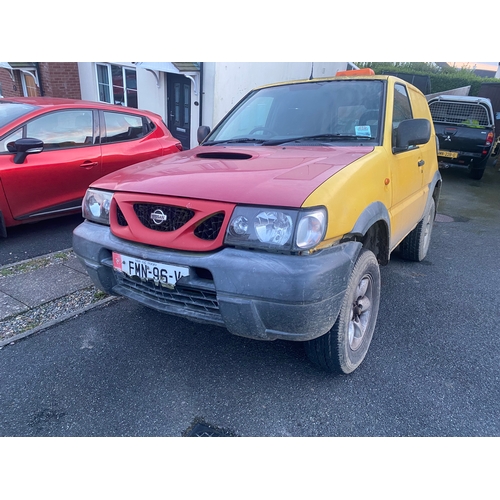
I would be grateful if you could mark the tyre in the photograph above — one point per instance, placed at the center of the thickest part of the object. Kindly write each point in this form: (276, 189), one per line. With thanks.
(3, 229)
(477, 173)
(343, 348)
(416, 245)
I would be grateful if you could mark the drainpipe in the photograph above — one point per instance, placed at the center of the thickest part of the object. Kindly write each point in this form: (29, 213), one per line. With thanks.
(37, 66)
(201, 93)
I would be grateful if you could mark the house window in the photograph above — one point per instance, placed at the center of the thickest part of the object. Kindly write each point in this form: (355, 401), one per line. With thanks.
(117, 84)
(28, 80)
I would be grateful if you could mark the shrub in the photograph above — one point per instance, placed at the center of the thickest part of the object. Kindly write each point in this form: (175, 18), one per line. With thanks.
(441, 78)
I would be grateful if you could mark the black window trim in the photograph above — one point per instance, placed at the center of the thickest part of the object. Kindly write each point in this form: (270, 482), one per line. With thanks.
(95, 131)
(146, 126)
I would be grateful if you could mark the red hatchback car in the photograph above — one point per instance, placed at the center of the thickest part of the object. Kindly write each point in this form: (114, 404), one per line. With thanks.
(52, 149)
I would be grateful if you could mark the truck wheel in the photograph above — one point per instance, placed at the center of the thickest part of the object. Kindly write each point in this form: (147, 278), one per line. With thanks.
(343, 348)
(477, 173)
(416, 245)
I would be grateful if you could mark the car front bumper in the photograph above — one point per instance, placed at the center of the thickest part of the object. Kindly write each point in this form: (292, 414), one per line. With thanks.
(258, 295)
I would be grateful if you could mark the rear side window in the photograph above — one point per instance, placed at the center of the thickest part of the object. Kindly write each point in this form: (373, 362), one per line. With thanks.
(460, 113)
(62, 129)
(123, 127)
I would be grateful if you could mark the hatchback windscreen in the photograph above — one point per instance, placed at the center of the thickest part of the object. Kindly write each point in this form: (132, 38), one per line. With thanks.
(327, 111)
(10, 111)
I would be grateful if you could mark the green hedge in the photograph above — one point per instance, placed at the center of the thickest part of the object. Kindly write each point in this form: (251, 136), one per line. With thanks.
(441, 78)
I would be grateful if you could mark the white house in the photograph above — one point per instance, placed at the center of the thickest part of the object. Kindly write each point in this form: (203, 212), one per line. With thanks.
(187, 95)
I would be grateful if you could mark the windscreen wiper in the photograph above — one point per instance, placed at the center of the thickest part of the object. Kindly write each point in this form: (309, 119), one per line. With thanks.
(232, 141)
(320, 137)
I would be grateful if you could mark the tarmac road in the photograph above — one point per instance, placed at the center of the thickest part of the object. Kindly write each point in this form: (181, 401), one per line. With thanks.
(432, 369)
(27, 241)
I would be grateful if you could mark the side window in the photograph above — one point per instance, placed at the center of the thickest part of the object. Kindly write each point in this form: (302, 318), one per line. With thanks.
(18, 134)
(62, 129)
(401, 110)
(122, 127)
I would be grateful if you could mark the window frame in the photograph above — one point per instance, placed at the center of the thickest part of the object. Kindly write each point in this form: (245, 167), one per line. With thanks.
(26, 87)
(148, 126)
(407, 95)
(24, 130)
(109, 84)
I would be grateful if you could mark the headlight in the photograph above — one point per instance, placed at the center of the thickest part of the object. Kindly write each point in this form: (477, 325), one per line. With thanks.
(96, 204)
(311, 229)
(276, 229)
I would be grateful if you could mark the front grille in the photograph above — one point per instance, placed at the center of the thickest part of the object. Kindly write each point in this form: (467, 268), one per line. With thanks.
(120, 217)
(162, 217)
(194, 299)
(209, 228)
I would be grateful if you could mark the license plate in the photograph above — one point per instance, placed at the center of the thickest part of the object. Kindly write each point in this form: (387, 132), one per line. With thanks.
(448, 154)
(165, 274)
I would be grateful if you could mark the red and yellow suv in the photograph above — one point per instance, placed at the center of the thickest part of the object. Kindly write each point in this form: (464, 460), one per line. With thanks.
(275, 226)
(51, 150)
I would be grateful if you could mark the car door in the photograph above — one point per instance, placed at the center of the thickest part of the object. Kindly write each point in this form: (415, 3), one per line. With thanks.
(55, 180)
(126, 139)
(408, 200)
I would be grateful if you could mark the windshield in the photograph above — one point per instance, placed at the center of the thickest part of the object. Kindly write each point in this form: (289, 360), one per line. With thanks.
(313, 111)
(9, 111)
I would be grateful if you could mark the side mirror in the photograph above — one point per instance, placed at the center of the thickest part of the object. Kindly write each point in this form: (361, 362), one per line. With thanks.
(24, 147)
(412, 133)
(203, 131)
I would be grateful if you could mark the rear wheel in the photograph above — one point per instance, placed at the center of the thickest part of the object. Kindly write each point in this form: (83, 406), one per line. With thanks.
(478, 172)
(416, 245)
(343, 348)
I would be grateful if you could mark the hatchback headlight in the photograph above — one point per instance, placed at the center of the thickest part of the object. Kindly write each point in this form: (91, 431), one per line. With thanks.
(276, 228)
(96, 205)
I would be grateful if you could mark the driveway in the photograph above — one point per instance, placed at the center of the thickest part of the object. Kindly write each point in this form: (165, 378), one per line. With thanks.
(432, 369)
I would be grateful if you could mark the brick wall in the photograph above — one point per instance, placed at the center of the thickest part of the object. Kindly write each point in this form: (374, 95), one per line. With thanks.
(10, 88)
(58, 79)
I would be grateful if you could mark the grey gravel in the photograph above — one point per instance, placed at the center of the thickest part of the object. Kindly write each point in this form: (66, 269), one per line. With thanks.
(48, 312)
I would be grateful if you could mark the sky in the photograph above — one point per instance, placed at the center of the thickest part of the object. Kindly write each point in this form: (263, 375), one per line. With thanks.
(258, 31)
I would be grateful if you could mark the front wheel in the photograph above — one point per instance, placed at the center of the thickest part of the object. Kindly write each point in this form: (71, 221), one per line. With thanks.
(343, 348)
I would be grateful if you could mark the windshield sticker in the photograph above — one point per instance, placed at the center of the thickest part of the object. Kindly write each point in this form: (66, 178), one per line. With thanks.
(363, 130)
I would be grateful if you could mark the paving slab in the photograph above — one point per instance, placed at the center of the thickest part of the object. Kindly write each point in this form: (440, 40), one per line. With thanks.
(43, 285)
(10, 306)
(74, 263)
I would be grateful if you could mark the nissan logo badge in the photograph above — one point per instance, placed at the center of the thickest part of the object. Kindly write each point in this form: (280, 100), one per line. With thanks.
(158, 217)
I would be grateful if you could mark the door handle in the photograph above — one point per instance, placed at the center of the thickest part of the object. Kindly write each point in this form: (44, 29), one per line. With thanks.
(421, 163)
(89, 164)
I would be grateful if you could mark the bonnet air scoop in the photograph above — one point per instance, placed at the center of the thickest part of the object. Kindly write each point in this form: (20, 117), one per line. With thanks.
(224, 155)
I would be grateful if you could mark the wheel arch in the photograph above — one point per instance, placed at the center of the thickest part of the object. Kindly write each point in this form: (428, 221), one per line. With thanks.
(372, 229)
(434, 190)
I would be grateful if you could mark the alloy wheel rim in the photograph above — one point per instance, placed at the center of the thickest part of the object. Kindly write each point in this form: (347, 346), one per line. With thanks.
(361, 312)
(427, 229)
